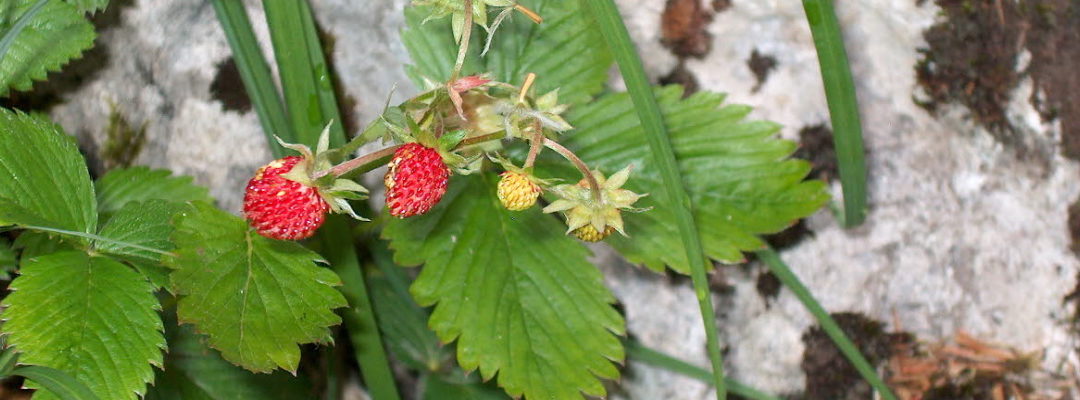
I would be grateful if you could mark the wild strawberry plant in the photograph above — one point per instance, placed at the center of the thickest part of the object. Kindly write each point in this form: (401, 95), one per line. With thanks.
(515, 152)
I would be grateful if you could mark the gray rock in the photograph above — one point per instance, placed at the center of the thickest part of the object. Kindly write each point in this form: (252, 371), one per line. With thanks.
(961, 234)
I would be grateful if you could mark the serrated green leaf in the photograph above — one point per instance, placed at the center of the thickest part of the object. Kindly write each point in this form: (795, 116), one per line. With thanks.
(738, 175)
(88, 316)
(89, 5)
(44, 175)
(255, 298)
(54, 36)
(516, 293)
(120, 186)
(11, 213)
(147, 224)
(195, 372)
(561, 51)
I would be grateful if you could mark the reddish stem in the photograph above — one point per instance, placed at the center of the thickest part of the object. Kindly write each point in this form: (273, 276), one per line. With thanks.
(569, 155)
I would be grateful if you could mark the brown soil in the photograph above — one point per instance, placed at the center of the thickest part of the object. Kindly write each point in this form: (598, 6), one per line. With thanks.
(973, 54)
(721, 5)
(682, 28)
(682, 76)
(761, 65)
(829, 375)
(1074, 226)
(1053, 39)
(229, 89)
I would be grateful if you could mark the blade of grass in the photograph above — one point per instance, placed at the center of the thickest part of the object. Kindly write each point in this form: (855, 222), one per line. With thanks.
(311, 104)
(618, 39)
(255, 73)
(335, 237)
(324, 84)
(305, 77)
(792, 282)
(639, 352)
(843, 107)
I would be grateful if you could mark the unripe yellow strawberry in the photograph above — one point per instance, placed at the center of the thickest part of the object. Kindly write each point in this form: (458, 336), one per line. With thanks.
(517, 192)
(589, 233)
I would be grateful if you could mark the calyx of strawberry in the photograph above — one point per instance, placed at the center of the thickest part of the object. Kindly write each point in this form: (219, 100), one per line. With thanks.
(336, 191)
(602, 210)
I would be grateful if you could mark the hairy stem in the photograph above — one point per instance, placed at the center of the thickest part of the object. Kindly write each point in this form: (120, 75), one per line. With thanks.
(350, 165)
(569, 155)
(535, 145)
(367, 160)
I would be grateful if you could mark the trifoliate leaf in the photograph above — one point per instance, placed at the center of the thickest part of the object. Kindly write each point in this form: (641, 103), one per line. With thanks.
(562, 51)
(139, 234)
(53, 36)
(516, 293)
(194, 372)
(120, 186)
(255, 298)
(89, 5)
(88, 316)
(738, 175)
(43, 175)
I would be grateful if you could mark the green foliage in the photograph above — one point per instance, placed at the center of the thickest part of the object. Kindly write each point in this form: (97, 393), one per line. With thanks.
(194, 372)
(440, 388)
(57, 382)
(7, 260)
(89, 5)
(740, 181)
(561, 51)
(43, 179)
(273, 294)
(89, 316)
(120, 186)
(404, 326)
(51, 38)
(146, 224)
(108, 332)
(403, 322)
(519, 297)
(33, 244)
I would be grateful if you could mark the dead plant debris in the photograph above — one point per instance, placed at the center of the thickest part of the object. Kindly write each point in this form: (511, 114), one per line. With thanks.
(966, 368)
(683, 28)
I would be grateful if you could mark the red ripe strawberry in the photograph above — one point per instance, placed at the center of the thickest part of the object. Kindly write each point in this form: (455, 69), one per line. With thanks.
(415, 181)
(280, 208)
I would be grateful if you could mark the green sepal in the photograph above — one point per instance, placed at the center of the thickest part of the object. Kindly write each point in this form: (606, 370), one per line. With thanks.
(449, 140)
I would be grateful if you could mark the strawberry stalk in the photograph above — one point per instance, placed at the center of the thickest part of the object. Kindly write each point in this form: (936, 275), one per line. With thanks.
(569, 155)
(369, 161)
(535, 145)
(536, 142)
